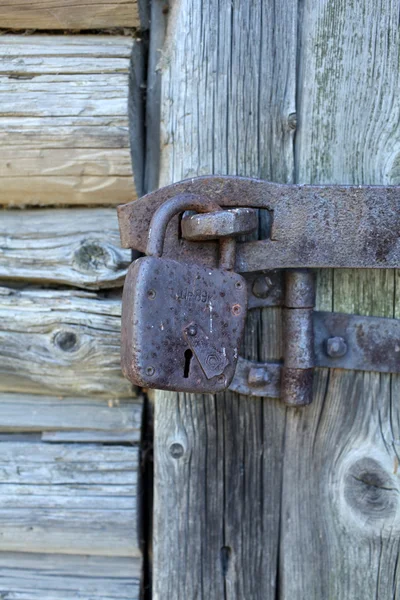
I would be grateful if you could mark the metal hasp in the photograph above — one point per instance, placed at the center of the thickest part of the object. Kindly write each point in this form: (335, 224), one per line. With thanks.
(309, 227)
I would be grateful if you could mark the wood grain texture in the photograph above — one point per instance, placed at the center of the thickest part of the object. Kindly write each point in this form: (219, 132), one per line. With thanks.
(29, 576)
(68, 14)
(228, 90)
(64, 342)
(68, 499)
(119, 436)
(88, 416)
(64, 120)
(341, 502)
(77, 247)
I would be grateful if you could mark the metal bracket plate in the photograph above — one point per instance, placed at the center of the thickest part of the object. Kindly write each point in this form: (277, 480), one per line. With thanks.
(311, 226)
(341, 341)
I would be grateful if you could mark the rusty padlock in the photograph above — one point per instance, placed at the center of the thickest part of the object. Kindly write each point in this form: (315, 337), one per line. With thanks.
(182, 323)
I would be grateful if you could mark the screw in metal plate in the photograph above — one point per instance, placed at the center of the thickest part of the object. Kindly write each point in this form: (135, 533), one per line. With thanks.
(151, 294)
(150, 371)
(236, 309)
(238, 285)
(262, 286)
(192, 330)
(336, 347)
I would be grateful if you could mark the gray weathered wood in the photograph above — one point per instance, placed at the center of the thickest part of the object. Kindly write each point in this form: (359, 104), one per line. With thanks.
(87, 416)
(228, 90)
(29, 576)
(341, 491)
(60, 92)
(68, 14)
(64, 342)
(33, 55)
(88, 436)
(68, 498)
(78, 247)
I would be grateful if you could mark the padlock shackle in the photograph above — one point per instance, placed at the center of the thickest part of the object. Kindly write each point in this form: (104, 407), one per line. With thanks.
(170, 208)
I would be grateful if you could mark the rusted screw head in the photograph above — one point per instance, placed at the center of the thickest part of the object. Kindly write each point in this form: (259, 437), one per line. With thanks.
(336, 347)
(150, 371)
(236, 309)
(192, 330)
(262, 286)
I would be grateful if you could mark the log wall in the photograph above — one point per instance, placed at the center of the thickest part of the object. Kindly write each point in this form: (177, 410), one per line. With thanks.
(64, 120)
(70, 424)
(68, 14)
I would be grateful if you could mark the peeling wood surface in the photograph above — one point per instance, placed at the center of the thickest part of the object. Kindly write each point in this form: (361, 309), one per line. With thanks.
(68, 499)
(89, 417)
(228, 90)
(68, 14)
(60, 342)
(30, 576)
(77, 247)
(64, 121)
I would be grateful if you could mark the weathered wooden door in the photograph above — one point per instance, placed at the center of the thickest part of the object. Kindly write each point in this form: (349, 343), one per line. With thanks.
(264, 502)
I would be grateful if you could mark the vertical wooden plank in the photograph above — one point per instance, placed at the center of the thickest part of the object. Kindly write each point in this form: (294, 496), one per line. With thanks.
(341, 502)
(228, 93)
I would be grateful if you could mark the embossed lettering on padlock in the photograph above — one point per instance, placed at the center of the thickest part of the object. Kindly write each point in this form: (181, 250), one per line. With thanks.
(182, 323)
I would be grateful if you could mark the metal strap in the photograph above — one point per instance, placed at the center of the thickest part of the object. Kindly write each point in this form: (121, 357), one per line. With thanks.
(341, 341)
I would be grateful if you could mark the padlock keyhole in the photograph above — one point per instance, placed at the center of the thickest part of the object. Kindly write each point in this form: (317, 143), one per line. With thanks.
(188, 360)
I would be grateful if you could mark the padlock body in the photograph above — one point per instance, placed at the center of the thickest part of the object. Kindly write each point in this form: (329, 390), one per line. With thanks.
(182, 325)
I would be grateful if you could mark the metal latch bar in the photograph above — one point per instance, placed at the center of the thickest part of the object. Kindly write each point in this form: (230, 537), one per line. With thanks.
(311, 226)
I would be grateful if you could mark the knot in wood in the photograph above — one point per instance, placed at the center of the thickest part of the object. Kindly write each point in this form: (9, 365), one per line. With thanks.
(67, 341)
(176, 450)
(371, 492)
(91, 256)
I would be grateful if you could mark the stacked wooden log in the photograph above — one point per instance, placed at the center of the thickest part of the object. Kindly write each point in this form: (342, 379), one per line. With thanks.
(70, 424)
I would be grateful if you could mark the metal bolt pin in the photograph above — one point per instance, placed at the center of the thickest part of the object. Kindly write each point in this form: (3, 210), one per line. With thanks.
(258, 376)
(262, 286)
(336, 347)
